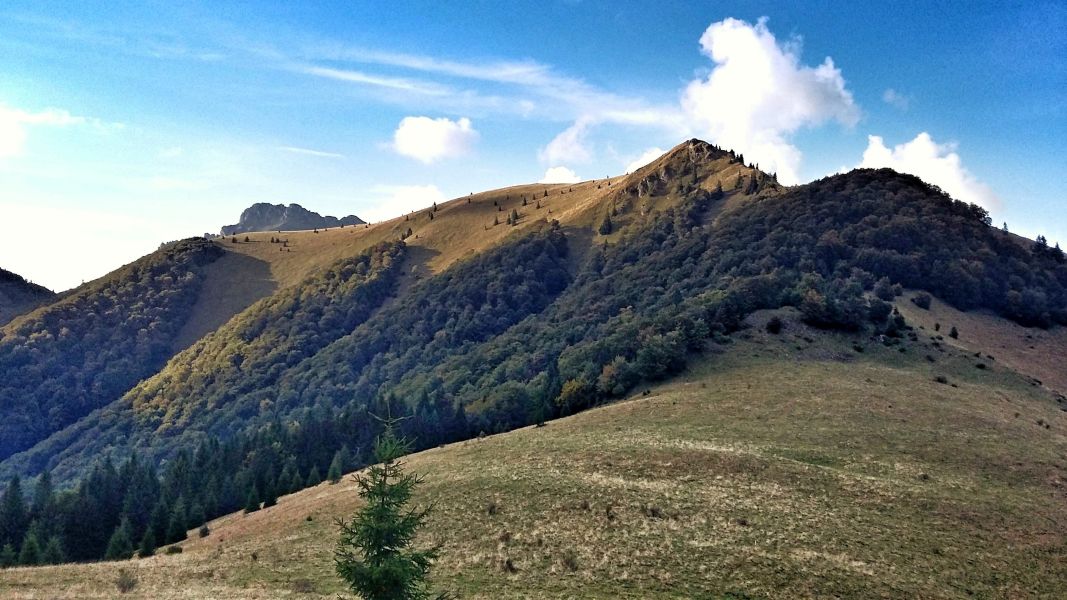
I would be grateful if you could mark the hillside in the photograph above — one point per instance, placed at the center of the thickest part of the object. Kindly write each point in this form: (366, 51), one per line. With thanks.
(279, 217)
(75, 355)
(782, 466)
(18, 296)
(499, 310)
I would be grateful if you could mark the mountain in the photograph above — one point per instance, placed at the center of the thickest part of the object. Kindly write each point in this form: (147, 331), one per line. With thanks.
(18, 296)
(279, 217)
(515, 306)
(781, 465)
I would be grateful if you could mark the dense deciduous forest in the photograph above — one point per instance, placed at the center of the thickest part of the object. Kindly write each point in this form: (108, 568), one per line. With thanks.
(282, 396)
(86, 350)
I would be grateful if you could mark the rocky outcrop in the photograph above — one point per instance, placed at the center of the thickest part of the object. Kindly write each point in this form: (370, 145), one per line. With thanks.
(279, 217)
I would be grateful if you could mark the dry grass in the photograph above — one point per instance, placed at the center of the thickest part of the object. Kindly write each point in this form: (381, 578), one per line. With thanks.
(1035, 352)
(769, 471)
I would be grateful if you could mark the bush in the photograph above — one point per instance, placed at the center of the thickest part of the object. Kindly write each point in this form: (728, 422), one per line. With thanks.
(953, 333)
(204, 530)
(922, 300)
(774, 325)
(173, 550)
(125, 582)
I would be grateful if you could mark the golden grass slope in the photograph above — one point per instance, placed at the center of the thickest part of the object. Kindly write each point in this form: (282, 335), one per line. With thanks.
(788, 466)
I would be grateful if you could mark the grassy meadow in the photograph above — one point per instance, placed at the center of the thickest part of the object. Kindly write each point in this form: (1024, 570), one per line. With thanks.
(783, 466)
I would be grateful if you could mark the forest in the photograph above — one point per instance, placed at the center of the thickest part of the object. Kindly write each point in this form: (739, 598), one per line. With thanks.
(84, 351)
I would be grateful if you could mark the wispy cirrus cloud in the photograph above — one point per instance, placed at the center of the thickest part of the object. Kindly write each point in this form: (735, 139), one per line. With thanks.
(16, 123)
(310, 152)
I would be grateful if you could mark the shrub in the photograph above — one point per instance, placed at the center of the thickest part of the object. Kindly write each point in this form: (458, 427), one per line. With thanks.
(570, 559)
(922, 300)
(204, 530)
(953, 333)
(125, 582)
(774, 325)
(173, 550)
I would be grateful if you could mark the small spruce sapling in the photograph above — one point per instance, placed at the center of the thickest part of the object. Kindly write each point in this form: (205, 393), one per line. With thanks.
(375, 554)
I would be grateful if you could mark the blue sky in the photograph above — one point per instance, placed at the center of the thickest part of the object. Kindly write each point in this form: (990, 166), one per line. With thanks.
(123, 125)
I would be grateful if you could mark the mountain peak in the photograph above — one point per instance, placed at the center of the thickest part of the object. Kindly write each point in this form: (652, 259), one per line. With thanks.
(264, 216)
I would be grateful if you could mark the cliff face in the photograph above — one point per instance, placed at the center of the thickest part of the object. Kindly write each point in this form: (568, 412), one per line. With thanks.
(278, 217)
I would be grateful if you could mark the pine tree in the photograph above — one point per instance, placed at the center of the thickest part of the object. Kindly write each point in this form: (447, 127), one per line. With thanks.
(159, 522)
(43, 495)
(13, 516)
(296, 482)
(148, 544)
(119, 547)
(179, 522)
(31, 549)
(374, 554)
(7, 556)
(314, 477)
(252, 501)
(270, 497)
(53, 552)
(336, 468)
(606, 226)
(514, 217)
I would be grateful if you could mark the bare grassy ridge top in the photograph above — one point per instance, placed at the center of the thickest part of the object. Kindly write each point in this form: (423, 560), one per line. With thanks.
(789, 466)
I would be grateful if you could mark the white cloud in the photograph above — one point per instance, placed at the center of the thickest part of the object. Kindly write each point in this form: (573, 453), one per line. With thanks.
(395, 200)
(560, 175)
(933, 163)
(896, 99)
(310, 152)
(646, 157)
(14, 122)
(429, 140)
(759, 94)
(571, 145)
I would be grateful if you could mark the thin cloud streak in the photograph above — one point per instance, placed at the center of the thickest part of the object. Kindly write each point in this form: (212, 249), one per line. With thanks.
(310, 152)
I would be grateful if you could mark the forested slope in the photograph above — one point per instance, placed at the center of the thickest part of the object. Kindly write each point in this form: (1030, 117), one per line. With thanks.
(18, 296)
(88, 349)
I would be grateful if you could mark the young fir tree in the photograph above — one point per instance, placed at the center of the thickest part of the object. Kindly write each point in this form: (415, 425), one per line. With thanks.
(148, 544)
(314, 477)
(252, 501)
(31, 549)
(53, 552)
(119, 547)
(13, 514)
(336, 468)
(8, 558)
(179, 522)
(374, 555)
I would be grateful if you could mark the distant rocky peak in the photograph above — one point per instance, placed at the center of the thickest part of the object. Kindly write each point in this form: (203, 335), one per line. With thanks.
(263, 216)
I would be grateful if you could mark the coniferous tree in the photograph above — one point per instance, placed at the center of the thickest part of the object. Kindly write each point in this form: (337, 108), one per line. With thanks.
(31, 549)
(179, 522)
(53, 552)
(43, 495)
(374, 555)
(252, 501)
(314, 478)
(606, 226)
(119, 547)
(147, 546)
(13, 516)
(336, 468)
(159, 522)
(270, 497)
(8, 558)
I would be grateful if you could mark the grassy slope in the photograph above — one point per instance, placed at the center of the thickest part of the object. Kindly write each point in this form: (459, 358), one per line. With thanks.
(1039, 353)
(781, 468)
(461, 227)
